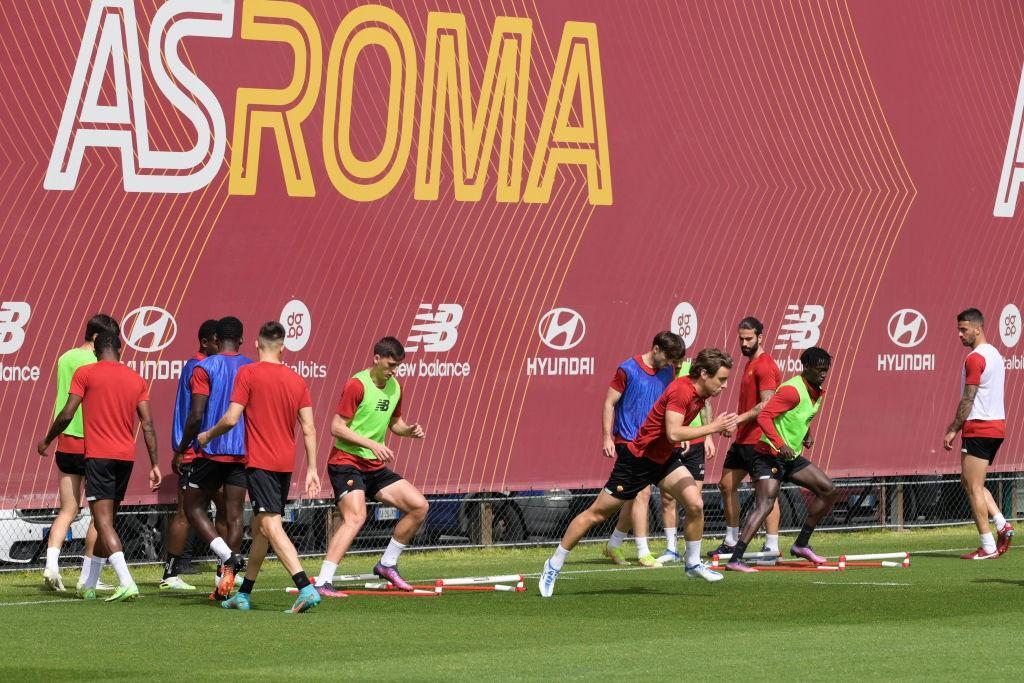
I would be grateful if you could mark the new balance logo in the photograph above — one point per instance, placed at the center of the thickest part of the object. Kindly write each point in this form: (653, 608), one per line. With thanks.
(383, 404)
(13, 317)
(802, 328)
(436, 329)
(1013, 161)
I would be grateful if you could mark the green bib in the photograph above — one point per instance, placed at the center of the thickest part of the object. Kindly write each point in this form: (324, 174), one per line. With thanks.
(793, 425)
(684, 370)
(66, 366)
(373, 416)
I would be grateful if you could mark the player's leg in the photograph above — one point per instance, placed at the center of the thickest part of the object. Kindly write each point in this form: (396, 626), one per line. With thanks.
(807, 475)
(771, 528)
(1004, 530)
(69, 488)
(670, 522)
(729, 486)
(639, 518)
(350, 500)
(270, 523)
(205, 479)
(404, 496)
(603, 507)
(220, 518)
(613, 549)
(972, 477)
(177, 537)
(257, 553)
(766, 491)
(234, 506)
(680, 484)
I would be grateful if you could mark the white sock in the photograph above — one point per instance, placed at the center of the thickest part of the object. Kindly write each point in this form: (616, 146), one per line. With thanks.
(692, 551)
(558, 559)
(732, 535)
(670, 539)
(999, 520)
(327, 570)
(771, 542)
(617, 538)
(92, 574)
(394, 549)
(988, 543)
(641, 546)
(124, 577)
(52, 555)
(220, 548)
(86, 561)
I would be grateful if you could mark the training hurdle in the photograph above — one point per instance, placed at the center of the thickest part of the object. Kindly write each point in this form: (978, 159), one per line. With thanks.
(372, 584)
(868, 560)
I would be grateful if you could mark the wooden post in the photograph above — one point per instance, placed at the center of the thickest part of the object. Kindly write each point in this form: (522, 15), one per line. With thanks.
(487, 523)
(899, 507)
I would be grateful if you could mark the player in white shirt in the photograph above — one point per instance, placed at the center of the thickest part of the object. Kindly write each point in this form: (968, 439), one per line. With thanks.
(981, 417)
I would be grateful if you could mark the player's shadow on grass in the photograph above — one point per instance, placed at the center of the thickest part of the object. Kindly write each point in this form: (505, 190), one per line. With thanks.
(1009, 582)
(635, 591)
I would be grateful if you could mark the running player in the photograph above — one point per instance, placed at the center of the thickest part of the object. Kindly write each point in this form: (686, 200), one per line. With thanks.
(637, 384)
(370, 407)
(177, 531)
(761, 378)
(695, 454)
(272, 397)
(221, 463)
(70, 456)
(785, 422)
(652, 458)
(111, 394)
(981, 417)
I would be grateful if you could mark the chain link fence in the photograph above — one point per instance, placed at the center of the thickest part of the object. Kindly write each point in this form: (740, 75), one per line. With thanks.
(519, 519)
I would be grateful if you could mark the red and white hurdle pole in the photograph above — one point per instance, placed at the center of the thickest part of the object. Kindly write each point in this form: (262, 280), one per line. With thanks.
(904, 558)
(476, 580)
(717, 559)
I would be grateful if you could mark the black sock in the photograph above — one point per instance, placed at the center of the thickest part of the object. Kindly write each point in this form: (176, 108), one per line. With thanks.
(738, 550)
(301, 580)
(247, 585)
(805, 536)
(171, 566)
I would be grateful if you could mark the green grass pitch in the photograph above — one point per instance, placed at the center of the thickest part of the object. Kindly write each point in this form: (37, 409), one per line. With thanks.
(944, 618)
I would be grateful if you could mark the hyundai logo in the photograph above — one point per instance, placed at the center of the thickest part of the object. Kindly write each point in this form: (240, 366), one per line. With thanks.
(561, 329)
(907, 328)
(149, 329)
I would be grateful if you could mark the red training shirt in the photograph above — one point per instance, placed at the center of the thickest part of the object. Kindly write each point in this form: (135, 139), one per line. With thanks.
(111, 393)
(272, 395)
(351, 397)
(651, 441)
(784, 400)
(761, 374)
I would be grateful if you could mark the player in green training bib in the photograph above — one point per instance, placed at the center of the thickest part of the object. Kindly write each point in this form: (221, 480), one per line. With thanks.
(786, 423)
(370, 407)
(70, 455)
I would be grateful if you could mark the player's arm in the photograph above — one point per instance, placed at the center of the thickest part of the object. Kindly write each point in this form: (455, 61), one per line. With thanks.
(763, 397)
(309, 441)
(229, 420)
(709, 443)
(963, 409)
(149, 434)
(400, 427)
(60, 422)
(193, 423)
(677, 430)
(781, 402)
(340, 429)
(611, 399)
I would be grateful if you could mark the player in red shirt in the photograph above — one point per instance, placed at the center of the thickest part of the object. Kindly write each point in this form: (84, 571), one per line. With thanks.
(273, 397)
(111, 394)
(760, 379)
(654, 457)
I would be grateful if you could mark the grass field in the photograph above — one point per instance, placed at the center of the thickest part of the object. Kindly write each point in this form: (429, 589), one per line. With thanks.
(943, 618)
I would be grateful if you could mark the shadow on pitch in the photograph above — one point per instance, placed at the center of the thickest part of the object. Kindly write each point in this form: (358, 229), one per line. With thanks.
(1008, 582)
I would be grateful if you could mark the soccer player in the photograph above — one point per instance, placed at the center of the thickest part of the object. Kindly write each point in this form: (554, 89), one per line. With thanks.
(70, 456)
(694, 454)
(785, 422)
(760, 379)
(981, 420)
(272, 397)
(370, 407)
(110, 394)
(178, 529)
(652, 458)
(637, 384)
(221, 462)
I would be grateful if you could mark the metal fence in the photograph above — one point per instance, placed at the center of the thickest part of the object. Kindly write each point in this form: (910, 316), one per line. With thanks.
(531, 518)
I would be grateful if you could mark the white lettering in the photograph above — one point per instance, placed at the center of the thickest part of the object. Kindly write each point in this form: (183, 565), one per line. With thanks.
(19, 373)
(571, 366)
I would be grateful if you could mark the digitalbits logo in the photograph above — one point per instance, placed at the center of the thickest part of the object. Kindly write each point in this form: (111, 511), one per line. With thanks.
(684, 323)
(1010, 325)
(298, 325)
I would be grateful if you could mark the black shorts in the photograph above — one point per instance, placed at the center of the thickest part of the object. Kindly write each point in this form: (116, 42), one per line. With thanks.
(631, 474)
(209, 475)
(739, 457)
(107, 479)
(70, 463)
(984, 447)
(268, 491)
(770, 467)
(693, 459)
(346, 478)
(183, 474)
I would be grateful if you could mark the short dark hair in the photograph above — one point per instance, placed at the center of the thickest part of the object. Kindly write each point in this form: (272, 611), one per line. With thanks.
(671, 343)
(207, 329)
(751, 323)
(389, 347)
(816, 357)
(971, 315)
(272, 331)
(229, 327)
(106, 341)
(710, 361)
(101, 323)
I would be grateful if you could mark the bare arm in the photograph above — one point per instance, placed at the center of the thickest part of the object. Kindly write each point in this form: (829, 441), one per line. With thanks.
(611, 399)
(197, 410)
(149, 433)
(751, 415)
(60, 423)
(341, 430)
(309, 441)
(963, 409)
(229, 420)
(400, 427)
(676, 430)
